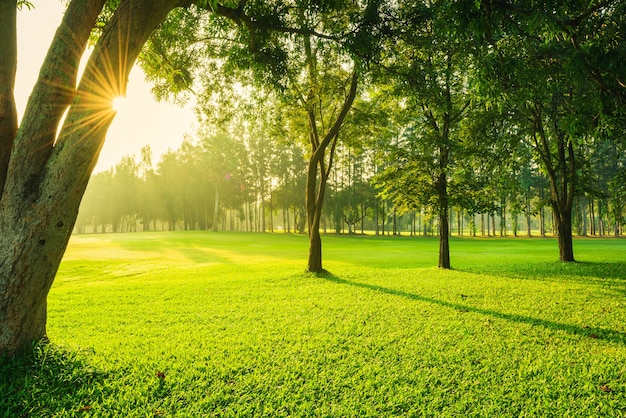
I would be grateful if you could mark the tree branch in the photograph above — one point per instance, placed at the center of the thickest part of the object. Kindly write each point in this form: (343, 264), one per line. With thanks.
(51, 96)
(8, 66)
(238, 16)
(347, 104)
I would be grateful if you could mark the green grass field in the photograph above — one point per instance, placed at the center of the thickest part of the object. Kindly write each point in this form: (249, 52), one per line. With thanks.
(225, 324)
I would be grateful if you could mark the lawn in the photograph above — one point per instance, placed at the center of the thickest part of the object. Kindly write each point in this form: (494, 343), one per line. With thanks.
(227, 324)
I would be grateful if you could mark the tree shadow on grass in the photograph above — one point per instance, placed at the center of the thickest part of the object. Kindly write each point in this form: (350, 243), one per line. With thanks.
(609, 272)
(610, 275)
(608, 335)
(45, 381)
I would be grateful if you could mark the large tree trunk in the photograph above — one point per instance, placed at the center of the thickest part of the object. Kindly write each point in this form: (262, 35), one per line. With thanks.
(47, 174)
(8, 66)
(564, 231)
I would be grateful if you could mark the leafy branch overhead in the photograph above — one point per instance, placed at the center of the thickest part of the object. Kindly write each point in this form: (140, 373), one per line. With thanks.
(254, 36)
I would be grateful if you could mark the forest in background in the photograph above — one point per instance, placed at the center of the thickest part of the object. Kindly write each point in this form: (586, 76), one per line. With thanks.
(508, 124)
(257, 184)
(502, 124)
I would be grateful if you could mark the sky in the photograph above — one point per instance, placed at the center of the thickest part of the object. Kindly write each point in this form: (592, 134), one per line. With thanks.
(140, 121)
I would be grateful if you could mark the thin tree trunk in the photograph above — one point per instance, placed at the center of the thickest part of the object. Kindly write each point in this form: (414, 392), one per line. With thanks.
(216, 208)
(376, 216)
(444, 210)
(528, 218)
(488, 226)
(315, 191)
(482, 224)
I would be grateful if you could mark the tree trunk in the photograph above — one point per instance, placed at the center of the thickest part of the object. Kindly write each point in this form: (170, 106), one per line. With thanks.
(316, 187)
(444, 241)
(444, 224)
(592, 217)
(564, 229)
(315, 251)
(377, 231)
(47, 174)
(216, 207)
(488, 226)
(528, 219)
(482, 224)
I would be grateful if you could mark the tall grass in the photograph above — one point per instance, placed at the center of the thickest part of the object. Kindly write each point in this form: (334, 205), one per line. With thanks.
(205, 324)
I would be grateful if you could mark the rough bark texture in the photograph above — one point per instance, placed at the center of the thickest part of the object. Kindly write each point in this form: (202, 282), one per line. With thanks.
(8, 65)
(564, 229)
(47, 177)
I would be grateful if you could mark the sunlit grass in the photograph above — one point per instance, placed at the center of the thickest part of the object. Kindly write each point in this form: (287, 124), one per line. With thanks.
(202, 324)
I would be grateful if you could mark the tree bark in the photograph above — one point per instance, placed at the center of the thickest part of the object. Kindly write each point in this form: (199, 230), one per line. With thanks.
(8, 66)
(47, 175)
(564, 230)
(314, 264)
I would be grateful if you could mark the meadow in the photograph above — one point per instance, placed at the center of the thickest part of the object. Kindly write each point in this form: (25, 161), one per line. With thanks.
(198, 324)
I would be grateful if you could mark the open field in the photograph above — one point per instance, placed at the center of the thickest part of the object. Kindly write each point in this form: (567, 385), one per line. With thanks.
(225, 324)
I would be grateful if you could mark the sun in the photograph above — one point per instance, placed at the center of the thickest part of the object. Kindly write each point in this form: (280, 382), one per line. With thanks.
(119, 103)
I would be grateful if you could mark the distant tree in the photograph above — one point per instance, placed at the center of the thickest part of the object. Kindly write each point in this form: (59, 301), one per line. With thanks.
(313, 73)
(147, 207)
(95, 209)
(219, 156)
(125, 195)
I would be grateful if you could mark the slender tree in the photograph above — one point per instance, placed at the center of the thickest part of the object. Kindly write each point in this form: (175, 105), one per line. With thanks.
(430, 67)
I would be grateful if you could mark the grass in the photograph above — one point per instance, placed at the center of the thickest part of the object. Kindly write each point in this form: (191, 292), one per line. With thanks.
(203, 324)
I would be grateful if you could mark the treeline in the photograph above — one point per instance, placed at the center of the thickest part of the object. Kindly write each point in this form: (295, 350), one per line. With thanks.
(472, 118)
(223, 183)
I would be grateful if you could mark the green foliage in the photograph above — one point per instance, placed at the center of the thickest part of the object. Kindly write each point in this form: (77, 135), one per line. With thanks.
(203, 324)
(25, 4)
(172, 55)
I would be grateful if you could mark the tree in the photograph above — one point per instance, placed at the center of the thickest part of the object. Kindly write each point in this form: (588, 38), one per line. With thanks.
(430, 67)
(220, 162)
(561, 66)
(313, 73)
(43, 174)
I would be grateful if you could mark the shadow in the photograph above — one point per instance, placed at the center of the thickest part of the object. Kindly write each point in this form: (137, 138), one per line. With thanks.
(590, 332)
(612, 273)
(45, 381)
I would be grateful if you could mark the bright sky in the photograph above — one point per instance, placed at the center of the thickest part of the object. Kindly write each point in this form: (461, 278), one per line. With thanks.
(141, 120)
